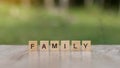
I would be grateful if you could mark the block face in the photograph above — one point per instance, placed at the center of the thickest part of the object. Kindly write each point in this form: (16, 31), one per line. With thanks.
(65, 45)
(75, 46)
(44, 45)
(32, 45)
(54, 46)
(86, 45)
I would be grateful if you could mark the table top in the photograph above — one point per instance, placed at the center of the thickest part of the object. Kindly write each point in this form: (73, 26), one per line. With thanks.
(18, 56)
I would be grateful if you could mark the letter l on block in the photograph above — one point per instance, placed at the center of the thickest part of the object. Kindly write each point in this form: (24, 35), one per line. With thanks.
(75, 45)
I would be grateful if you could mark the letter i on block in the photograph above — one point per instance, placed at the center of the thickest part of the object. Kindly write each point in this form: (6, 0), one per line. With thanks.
(54, 45)
(75, 46)
(86, 45)
(44, 46)
(32, 45)
(65, 45)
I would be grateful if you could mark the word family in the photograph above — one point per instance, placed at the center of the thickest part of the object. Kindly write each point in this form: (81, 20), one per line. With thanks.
(63, 45)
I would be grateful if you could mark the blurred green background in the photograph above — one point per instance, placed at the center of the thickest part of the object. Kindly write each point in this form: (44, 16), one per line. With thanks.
(24, 20)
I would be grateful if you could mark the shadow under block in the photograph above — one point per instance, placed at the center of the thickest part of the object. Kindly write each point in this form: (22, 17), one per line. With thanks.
(54, 46)
(32, 45)
(65, 45)
(75, 46)
(86, 45)
(44, 45)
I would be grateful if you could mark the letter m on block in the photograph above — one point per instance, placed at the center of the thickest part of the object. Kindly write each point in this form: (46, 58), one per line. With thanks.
(54, 45)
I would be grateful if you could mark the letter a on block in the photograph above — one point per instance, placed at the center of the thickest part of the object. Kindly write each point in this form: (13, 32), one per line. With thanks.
(54, 45)
(86, 45)
(44, 46)
(75, 46)
(65, 45)
(32, 45)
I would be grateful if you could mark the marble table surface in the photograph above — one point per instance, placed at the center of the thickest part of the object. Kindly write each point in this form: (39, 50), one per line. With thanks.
(18, 56)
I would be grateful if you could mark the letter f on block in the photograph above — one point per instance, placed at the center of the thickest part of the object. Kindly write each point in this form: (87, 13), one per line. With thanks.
(32, 45)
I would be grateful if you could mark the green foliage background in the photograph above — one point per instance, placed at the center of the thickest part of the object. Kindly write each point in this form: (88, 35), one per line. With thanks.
(101, 27)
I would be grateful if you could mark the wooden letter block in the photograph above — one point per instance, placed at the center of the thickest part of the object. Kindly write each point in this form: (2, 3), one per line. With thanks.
(86, 45)
(54, 45)
(75, 46)
(44, 45)
(65, 45)
(32, 45)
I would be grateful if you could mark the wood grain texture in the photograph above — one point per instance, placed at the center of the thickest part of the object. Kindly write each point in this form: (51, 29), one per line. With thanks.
(20, 57)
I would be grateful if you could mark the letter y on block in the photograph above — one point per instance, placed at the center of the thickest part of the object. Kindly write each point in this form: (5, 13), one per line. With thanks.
(86, 45)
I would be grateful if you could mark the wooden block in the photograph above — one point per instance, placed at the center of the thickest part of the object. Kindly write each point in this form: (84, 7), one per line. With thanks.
(65, 45)
(44, 45)
(75, 46)
(86, 45)
(32, 45)
(54, 45)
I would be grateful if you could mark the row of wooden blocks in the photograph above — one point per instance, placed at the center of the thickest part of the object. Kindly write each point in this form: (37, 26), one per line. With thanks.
(63, 45)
